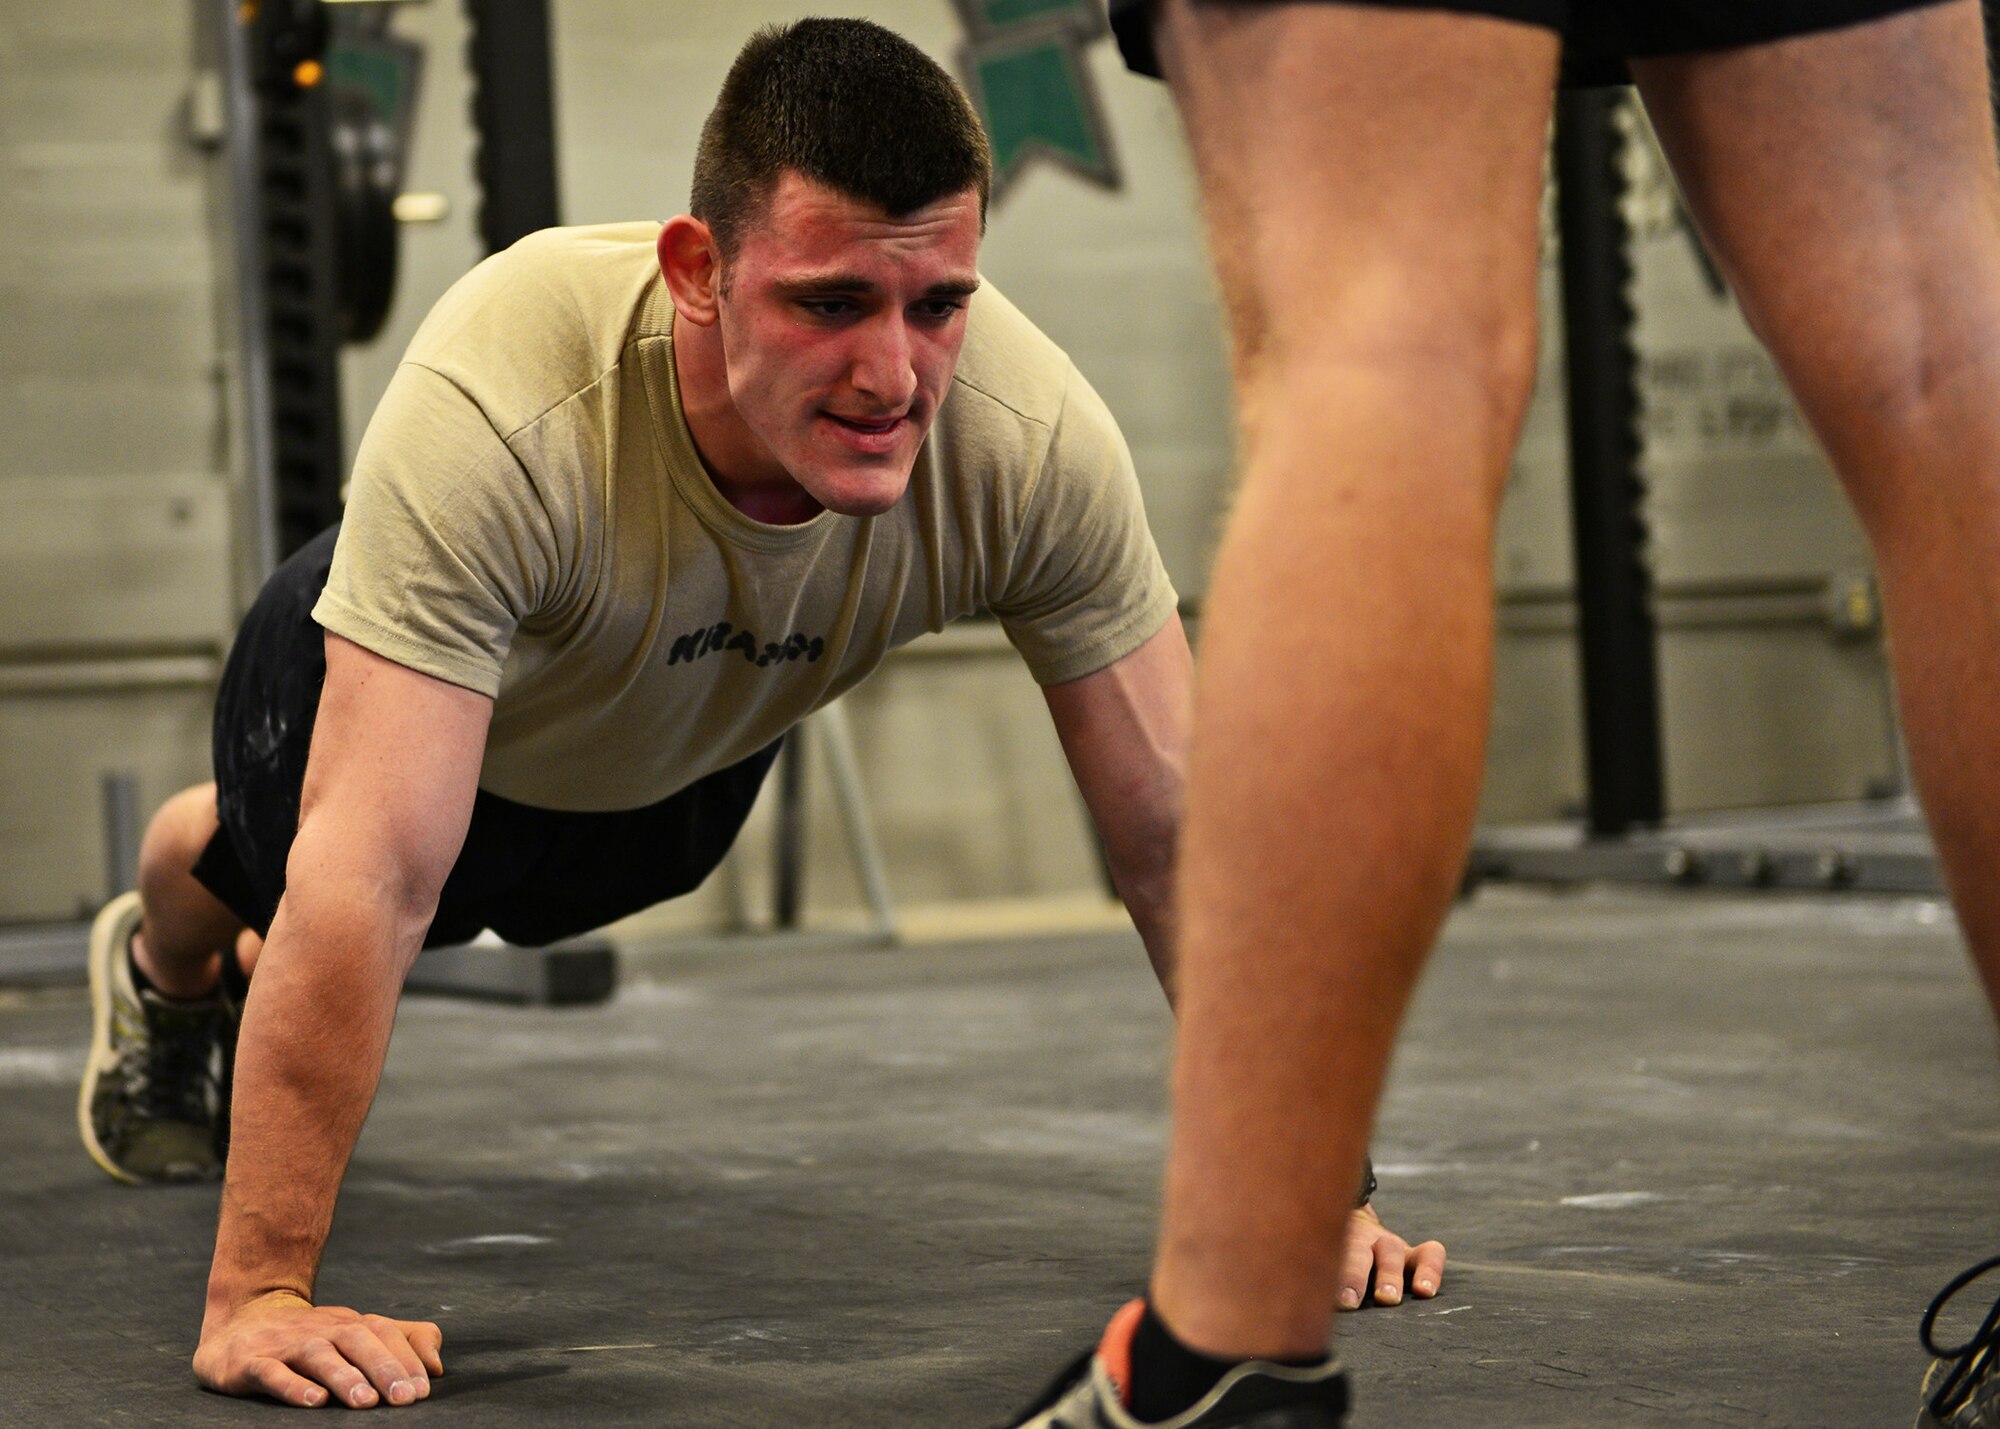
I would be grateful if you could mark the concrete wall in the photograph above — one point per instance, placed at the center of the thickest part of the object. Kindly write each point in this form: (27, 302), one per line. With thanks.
(115, 510)
(114, 507)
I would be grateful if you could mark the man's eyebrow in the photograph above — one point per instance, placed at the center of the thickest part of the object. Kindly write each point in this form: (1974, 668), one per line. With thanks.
(867, 287)
(834, 282)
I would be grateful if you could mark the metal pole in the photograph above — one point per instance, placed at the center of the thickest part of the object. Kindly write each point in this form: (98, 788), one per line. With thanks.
(1621, 687)
(513, 119)
(837, 740)
(252, 312)
(121, 831)
(789, 873)
(282, 222)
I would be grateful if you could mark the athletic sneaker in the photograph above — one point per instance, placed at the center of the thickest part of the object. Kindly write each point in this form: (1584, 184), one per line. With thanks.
(1254, 1395)
(1962, 1388)
(153, 1093)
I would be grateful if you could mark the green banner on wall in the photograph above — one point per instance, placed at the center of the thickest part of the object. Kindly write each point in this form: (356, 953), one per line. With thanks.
(989, 17)
(1024, 65)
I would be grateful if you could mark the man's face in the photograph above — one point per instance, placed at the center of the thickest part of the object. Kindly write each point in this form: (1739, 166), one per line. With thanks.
(841, 328)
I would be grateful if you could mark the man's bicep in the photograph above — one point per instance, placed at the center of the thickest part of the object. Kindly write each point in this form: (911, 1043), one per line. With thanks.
(393, 770)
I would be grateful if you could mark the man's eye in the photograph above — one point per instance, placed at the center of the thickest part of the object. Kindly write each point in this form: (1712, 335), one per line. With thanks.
(826, 307)
(939, 309)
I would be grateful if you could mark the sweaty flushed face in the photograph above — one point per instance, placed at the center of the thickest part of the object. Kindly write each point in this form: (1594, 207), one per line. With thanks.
(840, 328)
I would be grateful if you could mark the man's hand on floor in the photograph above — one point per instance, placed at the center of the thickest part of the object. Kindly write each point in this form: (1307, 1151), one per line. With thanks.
(1373, 1247)
(306, 1355)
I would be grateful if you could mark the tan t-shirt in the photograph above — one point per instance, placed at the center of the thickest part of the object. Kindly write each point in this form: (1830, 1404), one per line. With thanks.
(529, 518)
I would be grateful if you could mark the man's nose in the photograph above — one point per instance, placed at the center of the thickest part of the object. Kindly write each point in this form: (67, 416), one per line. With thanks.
(883, 365)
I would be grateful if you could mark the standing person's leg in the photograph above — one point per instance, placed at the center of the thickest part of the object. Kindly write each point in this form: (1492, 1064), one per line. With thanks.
(1372, 181)
(1848, 186)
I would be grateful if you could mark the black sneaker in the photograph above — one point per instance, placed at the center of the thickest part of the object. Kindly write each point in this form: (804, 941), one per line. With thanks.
(152, 1094)
(1253, 1395)
(1962, 1387)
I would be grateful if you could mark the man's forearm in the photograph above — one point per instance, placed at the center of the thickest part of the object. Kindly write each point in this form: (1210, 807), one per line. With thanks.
(315, 1033)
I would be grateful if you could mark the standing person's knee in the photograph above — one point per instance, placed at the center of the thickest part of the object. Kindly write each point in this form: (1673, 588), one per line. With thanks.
(1881, 345)
(1506, 351)
(1890, 391)
(1862, 238)
(1462, 375)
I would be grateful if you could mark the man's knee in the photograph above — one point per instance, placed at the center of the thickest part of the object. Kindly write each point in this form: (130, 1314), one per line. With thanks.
(183, 921)
(180, 829)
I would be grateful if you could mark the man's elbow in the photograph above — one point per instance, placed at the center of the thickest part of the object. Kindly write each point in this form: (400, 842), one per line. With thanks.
(360, 888)
(1143, 867)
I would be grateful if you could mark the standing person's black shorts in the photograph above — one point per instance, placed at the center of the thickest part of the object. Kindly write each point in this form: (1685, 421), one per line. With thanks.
(1598, 35)
(531, 875)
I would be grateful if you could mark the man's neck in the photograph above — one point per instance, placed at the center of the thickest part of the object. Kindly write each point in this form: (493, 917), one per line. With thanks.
(742, 471)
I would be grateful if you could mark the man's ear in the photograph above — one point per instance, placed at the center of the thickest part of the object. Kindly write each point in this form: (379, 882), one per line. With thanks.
(691, 262)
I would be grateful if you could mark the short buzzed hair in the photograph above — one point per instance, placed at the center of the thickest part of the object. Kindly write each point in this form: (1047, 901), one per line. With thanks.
(844, 103)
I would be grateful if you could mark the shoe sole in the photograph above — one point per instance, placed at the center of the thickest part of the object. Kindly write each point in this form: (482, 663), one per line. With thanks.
(105, 944)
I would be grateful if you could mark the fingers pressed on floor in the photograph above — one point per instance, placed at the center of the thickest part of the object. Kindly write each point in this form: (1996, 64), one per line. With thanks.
(391, 1334)
(1392, 1258)
(278, 1380)
(374, 1355)
(428, 1340)
(1429, 1273)
(1357, 1262)
(318, 1359)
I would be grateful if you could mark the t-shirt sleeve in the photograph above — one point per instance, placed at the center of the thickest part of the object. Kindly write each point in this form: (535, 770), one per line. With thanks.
(446, 546)
(1085, 586)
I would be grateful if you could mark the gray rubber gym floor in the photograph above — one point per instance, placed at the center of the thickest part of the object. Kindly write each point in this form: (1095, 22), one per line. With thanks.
(1699, 1159)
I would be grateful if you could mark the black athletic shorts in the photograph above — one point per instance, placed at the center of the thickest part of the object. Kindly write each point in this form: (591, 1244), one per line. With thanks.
(531, 875)
(1599, 35)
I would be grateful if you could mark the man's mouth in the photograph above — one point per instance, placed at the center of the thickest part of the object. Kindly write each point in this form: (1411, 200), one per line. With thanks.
(873, 425)
(869, 434)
